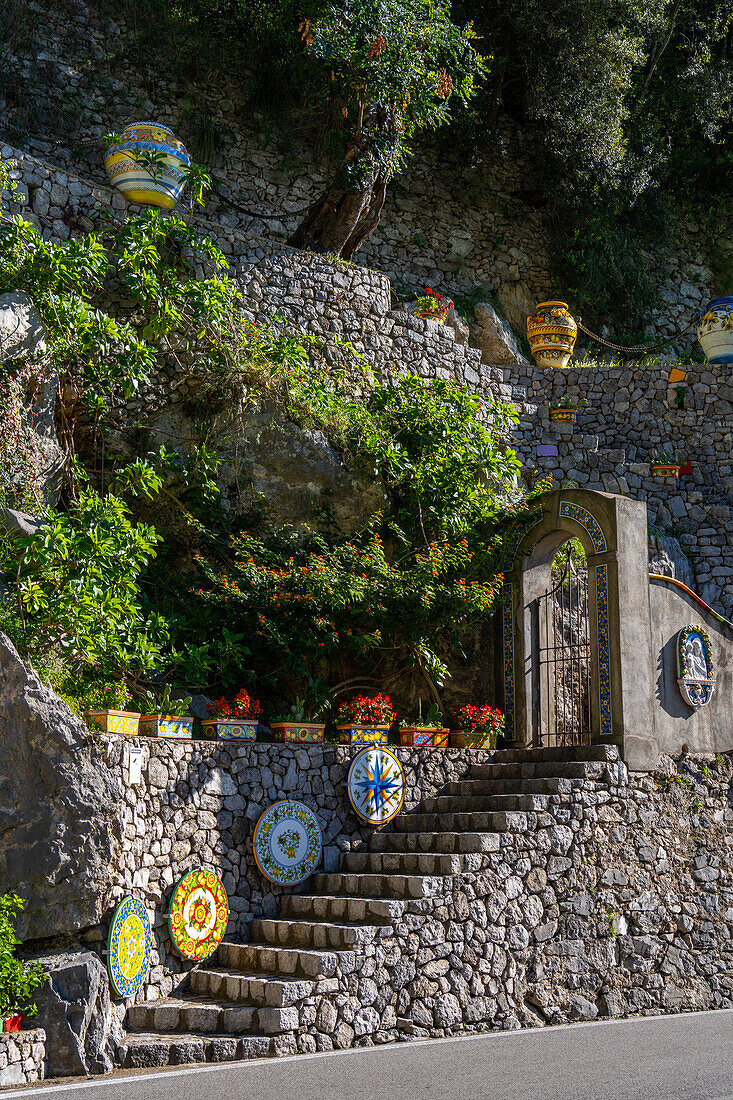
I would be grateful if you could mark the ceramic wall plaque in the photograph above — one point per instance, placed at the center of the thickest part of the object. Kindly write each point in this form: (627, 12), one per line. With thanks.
(198, 914)
(696, 669)
(287, 842)
(130, 940)
(375, 785)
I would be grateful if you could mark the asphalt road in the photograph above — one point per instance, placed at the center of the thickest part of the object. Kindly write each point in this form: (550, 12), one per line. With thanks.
(687, 1057)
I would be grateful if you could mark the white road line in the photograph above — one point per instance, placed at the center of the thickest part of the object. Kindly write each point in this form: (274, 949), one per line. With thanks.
(163, 1073)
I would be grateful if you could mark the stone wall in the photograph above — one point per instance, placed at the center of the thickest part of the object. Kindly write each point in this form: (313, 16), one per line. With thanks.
(447, 223)
(22, 1057)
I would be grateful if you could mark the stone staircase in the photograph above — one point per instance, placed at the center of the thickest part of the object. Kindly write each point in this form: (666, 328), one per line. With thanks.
(260, 998)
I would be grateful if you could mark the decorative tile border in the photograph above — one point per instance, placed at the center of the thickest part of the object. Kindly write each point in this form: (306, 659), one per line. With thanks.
(507, 599)
(581, 515)
(604, 653)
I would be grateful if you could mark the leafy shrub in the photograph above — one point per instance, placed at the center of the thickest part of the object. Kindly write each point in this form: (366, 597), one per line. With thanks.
(18, 980)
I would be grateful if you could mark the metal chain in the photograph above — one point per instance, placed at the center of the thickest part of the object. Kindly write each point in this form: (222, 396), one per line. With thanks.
(638, 349)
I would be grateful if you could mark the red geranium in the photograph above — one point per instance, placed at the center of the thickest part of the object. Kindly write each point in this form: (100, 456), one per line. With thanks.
(241, 706)
(363, 710)
(479, 719)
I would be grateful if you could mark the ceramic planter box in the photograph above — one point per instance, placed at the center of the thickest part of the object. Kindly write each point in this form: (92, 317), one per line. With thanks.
(467, 739)
(166, 725)
(363, 735)
(664, 469)
(424, 737)
(11, 1023)
(298, 733)
(231, 729)
(567, 416)
(113, 721)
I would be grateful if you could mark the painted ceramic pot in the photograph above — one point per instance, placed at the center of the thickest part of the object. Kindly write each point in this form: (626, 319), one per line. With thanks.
(431, 315)
(298, 733)
(11, 1023)
(231, 729)
(567, 416)
(154, 187)
(551, 332)
(166, 725)
(468, 739)
(715, 331)
(664, 469)
(424, 737)
(113, 721)
(363, 735)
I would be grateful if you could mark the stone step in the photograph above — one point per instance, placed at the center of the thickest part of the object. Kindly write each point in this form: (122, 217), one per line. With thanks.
(607, 753)
(467, 843)
(344, 909)
(402, 863)
(201, 1016)
(284, 961)
(499, 821)
(309, 933)
(498, 787)
(256, 990)
(446, 803)
(153, 1050)
(572, 769)
(384, 886)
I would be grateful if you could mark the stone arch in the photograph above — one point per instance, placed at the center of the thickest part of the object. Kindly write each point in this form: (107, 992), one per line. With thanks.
(613, 532)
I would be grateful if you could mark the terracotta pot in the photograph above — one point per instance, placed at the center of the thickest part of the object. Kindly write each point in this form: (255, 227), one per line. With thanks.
(568, 416)
(424, 737)
(12, 1023)
(166, 725)
(161, 187)
(231, 729)
(715, 331)
(114, 721)
(551, 332)
(364, 735)
(468, 739)
(298, 733)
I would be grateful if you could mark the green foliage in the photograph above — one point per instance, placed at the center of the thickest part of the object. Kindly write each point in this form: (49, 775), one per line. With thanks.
(161, 702)
(18, 980)
(78, 585)
(397, 65)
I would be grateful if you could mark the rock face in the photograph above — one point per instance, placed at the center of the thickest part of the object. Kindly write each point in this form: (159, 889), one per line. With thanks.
(75, 1010)
(495, 338)
(57, 801)
(22, 332)
(667, 558)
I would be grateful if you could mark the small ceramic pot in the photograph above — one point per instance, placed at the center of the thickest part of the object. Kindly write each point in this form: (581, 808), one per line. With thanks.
(231, 729)
(424, 737)
(12, 1023)
(551, 332)
(114, 721)
(298, 733)
(568, 416)
(161, 187)
(664, 469)
(431, 315)
(468, 739)
(715, 331)
(363, 735)
(166, 725)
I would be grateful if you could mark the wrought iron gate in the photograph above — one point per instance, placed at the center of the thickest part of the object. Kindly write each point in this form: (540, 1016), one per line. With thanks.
(564, 651)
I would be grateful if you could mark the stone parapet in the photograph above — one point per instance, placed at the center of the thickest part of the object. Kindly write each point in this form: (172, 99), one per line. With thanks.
(22, 1057)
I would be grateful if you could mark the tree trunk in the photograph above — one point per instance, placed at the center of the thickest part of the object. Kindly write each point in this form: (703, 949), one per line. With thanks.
(341, 220)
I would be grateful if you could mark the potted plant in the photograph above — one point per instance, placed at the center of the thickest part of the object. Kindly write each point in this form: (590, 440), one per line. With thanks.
(566, 410)
(233, 719)
(477, 727)
(18, 980)
(365, 720)
(432, 306)
(300, 727)
(664, 465)
(427, 732)
(113, 716)
(160, 715)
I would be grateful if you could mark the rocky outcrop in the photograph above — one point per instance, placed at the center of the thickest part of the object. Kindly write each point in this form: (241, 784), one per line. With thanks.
(58, 840)
(668, 559)
(22, 332)
(495, 338)
(75, 1011)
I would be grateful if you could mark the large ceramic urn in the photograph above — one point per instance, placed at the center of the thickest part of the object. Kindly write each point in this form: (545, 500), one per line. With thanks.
(715, 331)
(153, 185)
(551, 332)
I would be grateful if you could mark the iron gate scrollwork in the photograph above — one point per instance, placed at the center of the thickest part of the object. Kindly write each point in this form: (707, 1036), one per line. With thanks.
(564, 651)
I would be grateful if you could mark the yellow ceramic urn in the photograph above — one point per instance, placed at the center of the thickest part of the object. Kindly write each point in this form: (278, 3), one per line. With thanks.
(158, 184)
(551, 332)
